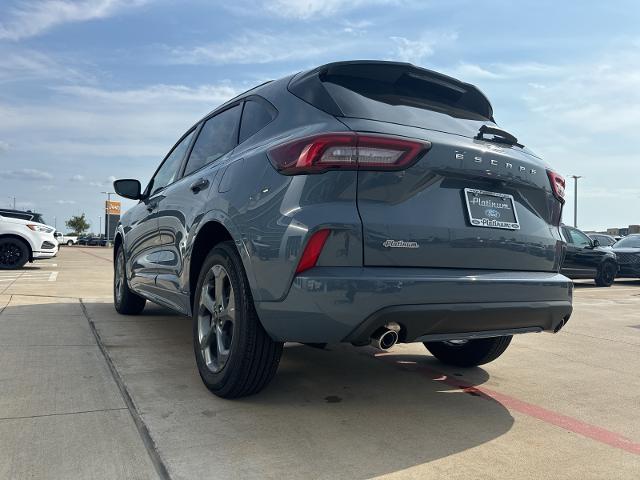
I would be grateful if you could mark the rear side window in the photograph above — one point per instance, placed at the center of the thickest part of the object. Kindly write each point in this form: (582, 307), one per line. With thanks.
(217, 137)
(255, 117)
(21, 216)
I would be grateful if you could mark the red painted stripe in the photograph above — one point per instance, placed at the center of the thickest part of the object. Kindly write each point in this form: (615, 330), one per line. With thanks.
(574, 425)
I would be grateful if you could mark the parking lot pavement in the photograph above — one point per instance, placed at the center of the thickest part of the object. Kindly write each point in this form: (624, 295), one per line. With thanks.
(132, 405)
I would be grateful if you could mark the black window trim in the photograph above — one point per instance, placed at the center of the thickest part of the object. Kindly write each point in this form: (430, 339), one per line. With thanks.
(196, 129)
(147, 190)
(199, 127)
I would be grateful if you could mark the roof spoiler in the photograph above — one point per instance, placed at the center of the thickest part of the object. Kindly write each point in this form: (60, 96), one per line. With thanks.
(308, 85)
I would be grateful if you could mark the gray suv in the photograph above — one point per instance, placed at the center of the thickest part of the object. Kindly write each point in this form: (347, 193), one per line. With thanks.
(361, 202)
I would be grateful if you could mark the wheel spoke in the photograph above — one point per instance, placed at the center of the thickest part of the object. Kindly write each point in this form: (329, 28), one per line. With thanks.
(223, 351)
(220, 277)
(206, 300)
(205, 341)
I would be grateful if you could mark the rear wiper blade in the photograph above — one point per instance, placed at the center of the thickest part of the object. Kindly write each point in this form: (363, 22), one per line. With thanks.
(499, 136)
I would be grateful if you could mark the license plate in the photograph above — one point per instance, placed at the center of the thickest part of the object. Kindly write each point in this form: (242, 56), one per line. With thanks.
(491, 209)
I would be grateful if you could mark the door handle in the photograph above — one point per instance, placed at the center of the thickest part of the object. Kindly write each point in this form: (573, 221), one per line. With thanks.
(199, 184)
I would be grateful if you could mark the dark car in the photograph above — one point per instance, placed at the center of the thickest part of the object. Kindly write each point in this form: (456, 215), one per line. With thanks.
(84, 239)
(603, 239)
(586, 259)
(627, 250)
(361, 202)
(97, 241)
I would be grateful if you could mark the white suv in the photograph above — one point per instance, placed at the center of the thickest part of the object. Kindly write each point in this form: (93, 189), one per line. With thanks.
(23, 241)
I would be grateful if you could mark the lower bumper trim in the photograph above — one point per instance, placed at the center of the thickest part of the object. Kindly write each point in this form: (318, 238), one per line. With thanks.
(465, 320)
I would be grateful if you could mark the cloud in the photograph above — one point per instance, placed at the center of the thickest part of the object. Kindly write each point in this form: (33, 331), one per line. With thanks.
(103, 183)
(4, 147)
(35, 17)
(415, 51)
(257, 48)
(77, 178)
(506, 71)
(19, 64)
(313, 9)
(66, 202)
(26, 174)
(315, 47)
(211, 94)
(119, 124)
(594, 98)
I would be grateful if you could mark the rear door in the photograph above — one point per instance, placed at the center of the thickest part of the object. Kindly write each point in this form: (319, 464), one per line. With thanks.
(185, 202)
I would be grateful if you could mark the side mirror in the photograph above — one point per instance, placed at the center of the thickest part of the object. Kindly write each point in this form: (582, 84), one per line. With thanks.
(595, 242)
(128, 188)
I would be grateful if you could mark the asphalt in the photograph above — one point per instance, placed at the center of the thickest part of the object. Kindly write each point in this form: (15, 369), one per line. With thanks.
(86, 393)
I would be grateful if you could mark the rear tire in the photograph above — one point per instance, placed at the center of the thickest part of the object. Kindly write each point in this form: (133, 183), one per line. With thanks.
(125, 301)
(14, 253)
(606, 274)
(471, 353)
(235, 355)
(69, 243)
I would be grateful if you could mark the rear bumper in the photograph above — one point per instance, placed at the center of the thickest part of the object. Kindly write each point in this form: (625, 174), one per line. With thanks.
(333, 304)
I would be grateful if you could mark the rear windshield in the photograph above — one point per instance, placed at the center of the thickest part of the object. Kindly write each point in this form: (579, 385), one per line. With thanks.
(629, 242)
(403, 94)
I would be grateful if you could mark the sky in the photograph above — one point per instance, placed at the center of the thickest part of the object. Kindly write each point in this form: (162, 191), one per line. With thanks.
(93, 90)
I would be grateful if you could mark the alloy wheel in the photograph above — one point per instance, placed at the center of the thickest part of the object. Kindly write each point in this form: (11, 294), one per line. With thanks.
(609, 273)
(10, 254)
(216, 318)
(119, 277)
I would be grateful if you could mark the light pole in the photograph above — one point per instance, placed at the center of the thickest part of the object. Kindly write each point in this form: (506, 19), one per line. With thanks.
(108, 194)
(575, 199)
(99, 223)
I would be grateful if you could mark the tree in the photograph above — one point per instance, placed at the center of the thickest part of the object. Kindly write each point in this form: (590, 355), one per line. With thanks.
(78, 224)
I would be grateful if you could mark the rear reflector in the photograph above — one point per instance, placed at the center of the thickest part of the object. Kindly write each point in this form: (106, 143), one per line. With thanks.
(348, 150)
(312, 250)
(557, 184)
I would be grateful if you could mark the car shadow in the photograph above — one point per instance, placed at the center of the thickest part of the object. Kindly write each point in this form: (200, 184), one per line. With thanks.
(339, 412)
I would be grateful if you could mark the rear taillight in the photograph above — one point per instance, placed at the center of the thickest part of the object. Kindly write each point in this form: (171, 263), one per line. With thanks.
(312, 250)
(351, 151)
(557, 184)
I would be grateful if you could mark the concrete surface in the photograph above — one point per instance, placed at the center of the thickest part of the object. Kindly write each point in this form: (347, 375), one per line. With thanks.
(133, 406)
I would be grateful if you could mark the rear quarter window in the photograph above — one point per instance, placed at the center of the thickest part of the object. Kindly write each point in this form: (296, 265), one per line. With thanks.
(255, 116)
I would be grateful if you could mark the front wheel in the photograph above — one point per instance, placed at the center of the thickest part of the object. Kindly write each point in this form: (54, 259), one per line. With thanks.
(14, 253)
(234, 354)
(125, 301)
(606, 274)
(469, 353)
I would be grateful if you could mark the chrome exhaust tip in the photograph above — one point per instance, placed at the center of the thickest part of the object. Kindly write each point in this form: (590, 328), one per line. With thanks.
(384, 338)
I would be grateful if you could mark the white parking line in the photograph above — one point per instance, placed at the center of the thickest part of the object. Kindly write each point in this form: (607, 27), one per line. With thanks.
(31, 276)
(597, 290)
